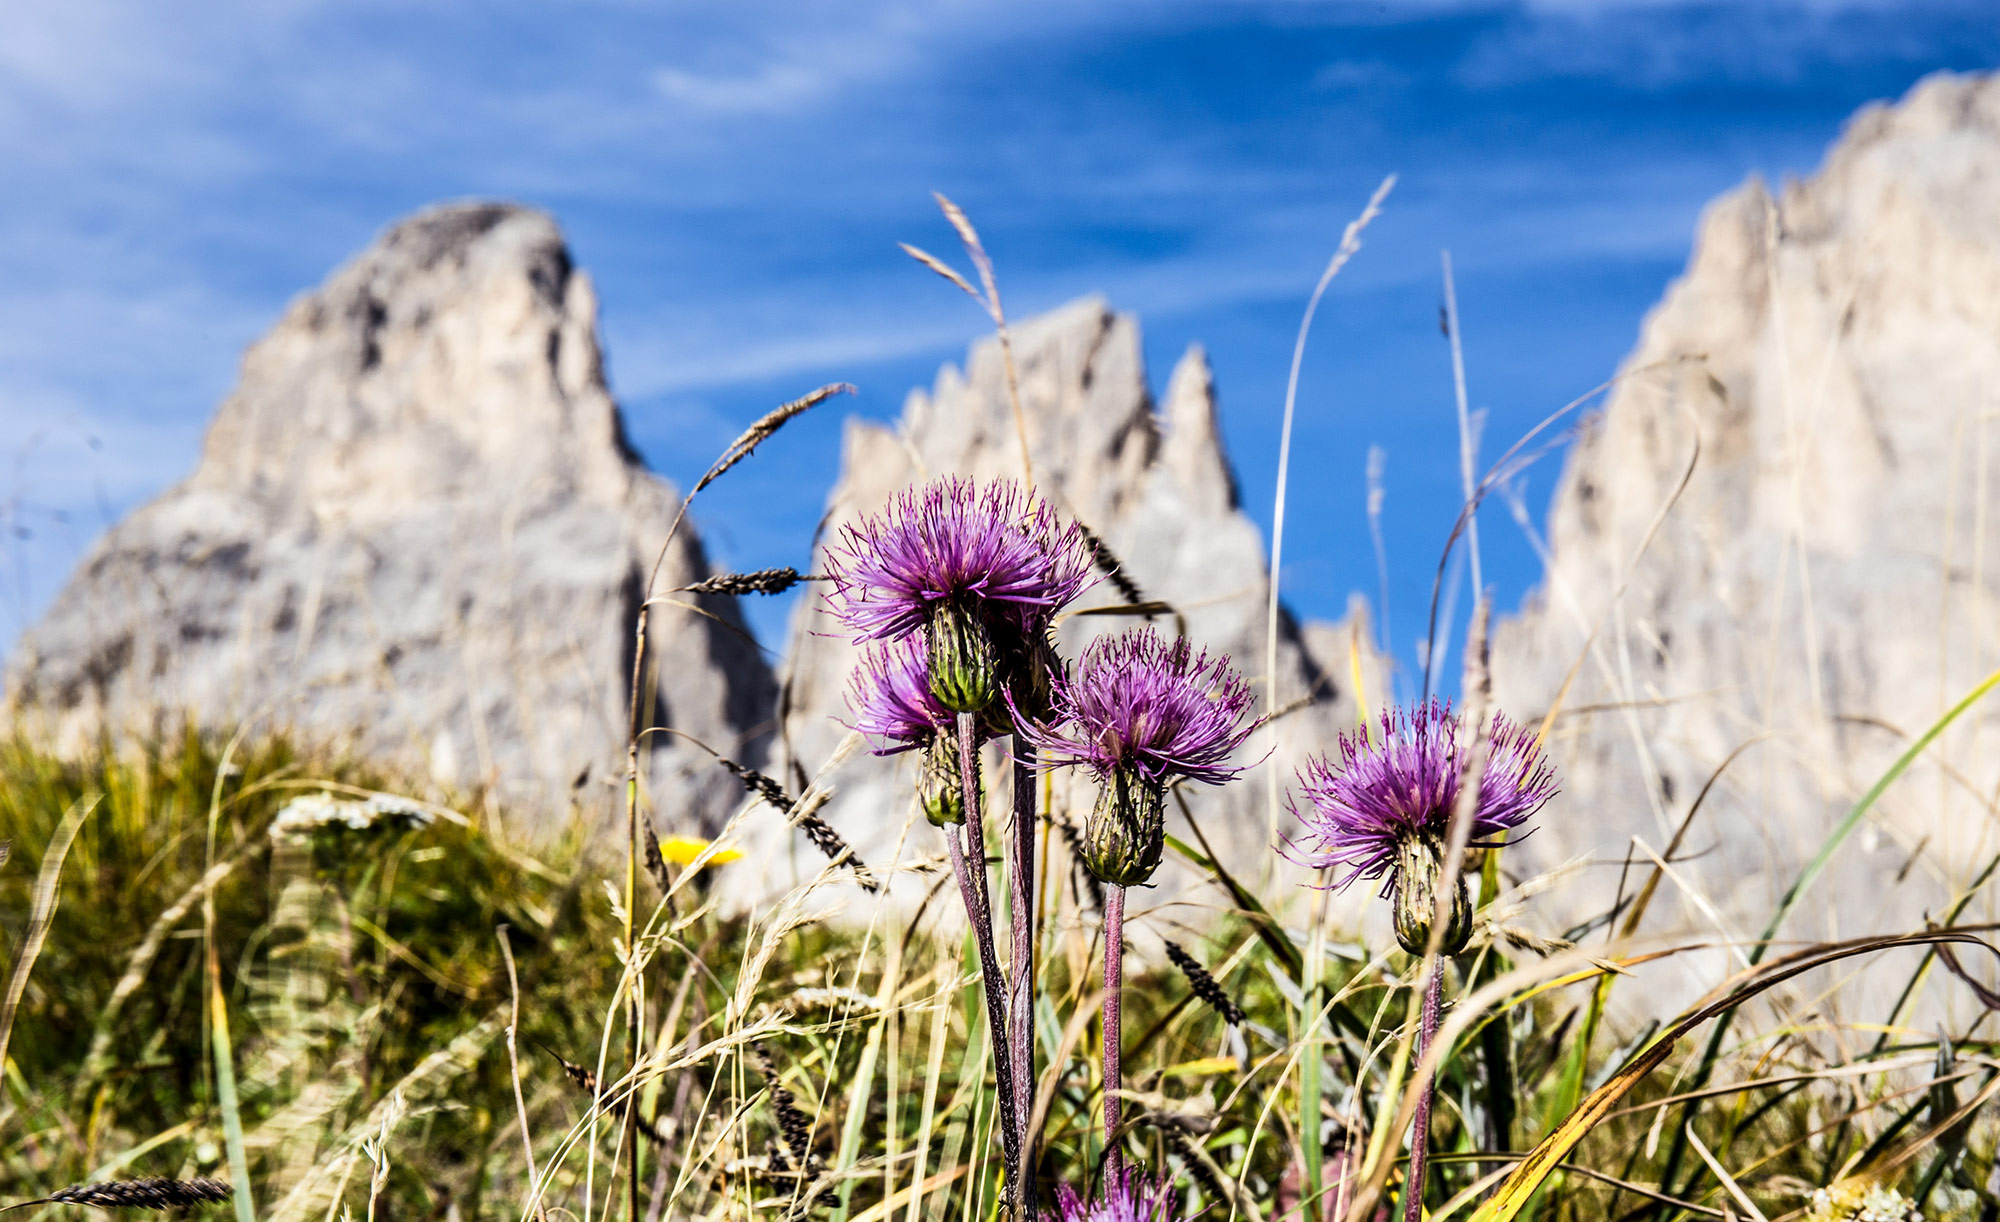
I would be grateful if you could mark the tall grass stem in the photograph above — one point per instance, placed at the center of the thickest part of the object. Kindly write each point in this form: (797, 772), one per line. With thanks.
(1467, 444)
(1350, 242)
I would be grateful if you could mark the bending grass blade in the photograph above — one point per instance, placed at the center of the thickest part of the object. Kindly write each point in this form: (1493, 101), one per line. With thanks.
(47, 891)
(1350, 243)
(1677, 1151)
(1514, 1194)
(225, 1089)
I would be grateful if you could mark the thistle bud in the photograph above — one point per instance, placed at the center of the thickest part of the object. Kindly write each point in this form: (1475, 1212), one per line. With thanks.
(964, 667)
(1419, 874)
(938, 786)
(1031, 665)
(1127, 831)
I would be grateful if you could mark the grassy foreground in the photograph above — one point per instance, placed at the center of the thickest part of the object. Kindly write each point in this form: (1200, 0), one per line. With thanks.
(328, 1011)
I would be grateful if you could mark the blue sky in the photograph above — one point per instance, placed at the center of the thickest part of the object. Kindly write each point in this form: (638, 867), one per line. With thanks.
(736, 178)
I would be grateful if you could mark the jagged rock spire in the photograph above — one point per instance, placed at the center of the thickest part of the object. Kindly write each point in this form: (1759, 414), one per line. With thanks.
(416, 531)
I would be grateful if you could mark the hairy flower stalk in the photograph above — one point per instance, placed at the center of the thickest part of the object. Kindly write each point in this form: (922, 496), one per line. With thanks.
(895, 704)
(1141, 713)
(1384, 811)
(966, 582)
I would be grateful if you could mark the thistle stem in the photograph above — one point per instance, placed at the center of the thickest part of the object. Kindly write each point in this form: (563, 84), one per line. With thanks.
(1114, 988)
(1021, 1000)
(969, 865)
(1420, 1132)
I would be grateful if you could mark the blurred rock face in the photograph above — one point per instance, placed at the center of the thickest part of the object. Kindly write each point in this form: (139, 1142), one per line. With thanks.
(1825, 379)
(1156, 486)
(416, 532)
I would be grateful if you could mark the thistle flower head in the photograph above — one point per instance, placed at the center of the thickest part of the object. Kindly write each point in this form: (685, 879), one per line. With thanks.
(995, 548)
(1140, 713)
(1400, 782)
(890, 697)
(1142, 704)
(1127, 1198)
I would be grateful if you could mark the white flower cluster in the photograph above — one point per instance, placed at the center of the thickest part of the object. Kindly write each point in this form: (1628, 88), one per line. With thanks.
(1854, 1203)
(299, 818)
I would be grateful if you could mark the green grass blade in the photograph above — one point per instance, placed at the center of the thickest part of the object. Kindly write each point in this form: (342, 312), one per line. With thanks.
(1677, 1151)
(48, 890)
(225, 1092)
(857, 1112)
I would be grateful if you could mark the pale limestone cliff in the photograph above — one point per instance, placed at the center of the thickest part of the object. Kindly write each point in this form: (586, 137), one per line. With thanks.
(416, 532)
(1827, 583)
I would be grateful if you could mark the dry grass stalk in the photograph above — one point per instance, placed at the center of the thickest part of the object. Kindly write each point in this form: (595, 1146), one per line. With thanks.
(765, 425)
(989, 300)
(1350, 242)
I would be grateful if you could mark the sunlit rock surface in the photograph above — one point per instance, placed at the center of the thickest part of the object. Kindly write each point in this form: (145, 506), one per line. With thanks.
(1824, 378)
(416, 532)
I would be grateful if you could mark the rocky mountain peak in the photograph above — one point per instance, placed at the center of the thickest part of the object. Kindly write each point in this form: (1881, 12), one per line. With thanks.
(416, 531)
(1771, 558)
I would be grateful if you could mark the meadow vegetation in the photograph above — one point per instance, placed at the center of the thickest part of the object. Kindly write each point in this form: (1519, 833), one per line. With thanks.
(240, 963)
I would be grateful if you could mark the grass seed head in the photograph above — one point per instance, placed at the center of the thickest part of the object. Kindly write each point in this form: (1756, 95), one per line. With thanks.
(144, 1194)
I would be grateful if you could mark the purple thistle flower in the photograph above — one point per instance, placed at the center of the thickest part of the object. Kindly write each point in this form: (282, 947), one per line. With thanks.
(1140, 713)
(1401, 783)
(1150, 706)
(951, 541)
(891, 699)
(1125, 1198)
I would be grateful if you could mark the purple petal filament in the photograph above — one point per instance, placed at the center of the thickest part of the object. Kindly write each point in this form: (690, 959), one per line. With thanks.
(891, 699)
(953, 540)
(1402, 781)
(1127, 1198)
(1156, 707)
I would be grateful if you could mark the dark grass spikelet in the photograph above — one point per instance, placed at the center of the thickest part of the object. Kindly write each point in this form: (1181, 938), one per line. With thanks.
(656, 863)
(142, 1194)
(793, 1125)
(1199, 1169)
(1111, 566)
(763, 581)
(763, 786)
(817, 830)
(1205, 985)
(766, 425)
(585, 1080)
